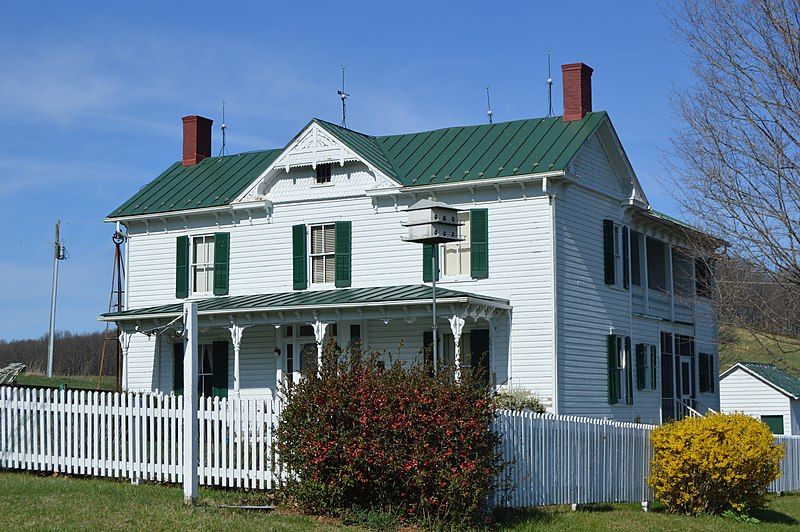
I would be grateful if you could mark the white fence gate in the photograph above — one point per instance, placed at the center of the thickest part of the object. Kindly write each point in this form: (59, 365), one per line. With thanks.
(137, 436)
(554, 459)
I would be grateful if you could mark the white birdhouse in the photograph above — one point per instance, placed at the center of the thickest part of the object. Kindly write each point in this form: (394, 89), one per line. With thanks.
(432, 222)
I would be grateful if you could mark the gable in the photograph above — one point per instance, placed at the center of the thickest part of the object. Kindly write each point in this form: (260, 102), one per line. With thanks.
(601, 164)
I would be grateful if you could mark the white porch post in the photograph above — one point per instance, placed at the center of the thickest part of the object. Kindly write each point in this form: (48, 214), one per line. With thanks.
(456, 326)
(319, 336)
(190, 423)
(236, 338)
(125, 343)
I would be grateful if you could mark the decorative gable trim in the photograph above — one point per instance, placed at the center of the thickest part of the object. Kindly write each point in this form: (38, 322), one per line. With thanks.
(311, 147)
(619, 160)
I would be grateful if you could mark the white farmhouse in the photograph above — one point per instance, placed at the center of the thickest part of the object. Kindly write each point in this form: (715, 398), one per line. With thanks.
(567, 283)
(764, 392)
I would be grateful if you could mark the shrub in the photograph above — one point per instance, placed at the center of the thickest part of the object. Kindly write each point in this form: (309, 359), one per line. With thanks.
(518, 400)
(714, 464)
(396, 441)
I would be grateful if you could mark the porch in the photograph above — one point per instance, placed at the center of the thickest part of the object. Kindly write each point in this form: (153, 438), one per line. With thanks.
(250, 345)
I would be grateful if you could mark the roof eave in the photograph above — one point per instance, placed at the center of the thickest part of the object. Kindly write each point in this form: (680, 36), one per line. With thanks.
(758, 376)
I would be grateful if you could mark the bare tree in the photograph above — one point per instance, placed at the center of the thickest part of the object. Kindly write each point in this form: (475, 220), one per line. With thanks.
(736, 154)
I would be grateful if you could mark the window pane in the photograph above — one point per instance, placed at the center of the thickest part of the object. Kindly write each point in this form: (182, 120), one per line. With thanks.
(682, 283)
(330, 239)
(330, 268)
(316, 239)
(306, 330)
(456, 260)
(199, 251)
(451, 266)
(318, 269)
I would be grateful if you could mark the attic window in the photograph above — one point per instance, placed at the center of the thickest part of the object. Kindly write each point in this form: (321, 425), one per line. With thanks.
(323, 174)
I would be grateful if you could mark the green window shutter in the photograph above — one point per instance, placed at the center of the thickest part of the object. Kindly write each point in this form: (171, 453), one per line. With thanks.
(177, 368)
(479, 243)
(219, 365)
(628, 372)
(427, 351)
(299, 259)
(343, 254)
(712, 375)
(608, 251)
(480, 360)
(427, 263)
(611, 349)
(626, 280)
(222, 259)
(653, 370)
(640, 366)
(182, 267)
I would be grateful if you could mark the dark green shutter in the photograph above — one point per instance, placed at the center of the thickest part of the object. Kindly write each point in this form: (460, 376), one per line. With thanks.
(479, 343)
(640, 366)
(653, 370)
(628, 372)
(182, 267)
(611, 348)
(608, 251)
(626, 280)
(479, 243)
(222, 259)
(299, 261)
(219, 366)
(712, 375)
(427, 263)
(177, 368)
(343, 254)
(427, 351)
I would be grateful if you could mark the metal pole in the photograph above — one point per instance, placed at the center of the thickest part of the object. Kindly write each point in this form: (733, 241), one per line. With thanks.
(435, 271)
(51, 340)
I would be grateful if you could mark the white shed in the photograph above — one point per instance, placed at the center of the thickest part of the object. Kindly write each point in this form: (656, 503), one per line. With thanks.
(763, 391)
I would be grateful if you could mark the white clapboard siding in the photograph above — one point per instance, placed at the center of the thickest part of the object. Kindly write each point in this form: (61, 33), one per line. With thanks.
(137, 436)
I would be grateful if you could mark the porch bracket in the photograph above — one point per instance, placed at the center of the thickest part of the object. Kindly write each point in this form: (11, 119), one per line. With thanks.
(319, 336)
(456, 326)
(237, 331)
(125, 343)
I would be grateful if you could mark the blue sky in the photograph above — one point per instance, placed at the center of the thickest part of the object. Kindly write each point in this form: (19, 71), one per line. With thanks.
(91, 96)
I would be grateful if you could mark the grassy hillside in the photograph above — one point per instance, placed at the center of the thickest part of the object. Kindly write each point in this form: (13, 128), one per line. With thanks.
(73, 382)
(737, 345)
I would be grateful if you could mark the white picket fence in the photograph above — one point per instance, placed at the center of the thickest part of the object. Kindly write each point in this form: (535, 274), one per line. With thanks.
(138, 436)
(579, 460)
(572, 460)
(553, 459)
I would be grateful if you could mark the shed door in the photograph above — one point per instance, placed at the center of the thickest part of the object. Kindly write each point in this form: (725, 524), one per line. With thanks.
(775, 423)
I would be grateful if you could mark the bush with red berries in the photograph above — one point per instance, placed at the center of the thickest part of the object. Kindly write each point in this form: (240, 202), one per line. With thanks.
(397, 439)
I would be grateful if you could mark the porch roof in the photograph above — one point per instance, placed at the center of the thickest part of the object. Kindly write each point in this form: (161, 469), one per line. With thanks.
(381, 296)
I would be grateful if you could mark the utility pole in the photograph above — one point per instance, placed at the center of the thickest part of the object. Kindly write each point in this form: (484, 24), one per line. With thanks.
(58, 254)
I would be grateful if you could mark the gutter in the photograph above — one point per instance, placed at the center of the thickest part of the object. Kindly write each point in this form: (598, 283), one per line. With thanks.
(499, 304)
(466, 184)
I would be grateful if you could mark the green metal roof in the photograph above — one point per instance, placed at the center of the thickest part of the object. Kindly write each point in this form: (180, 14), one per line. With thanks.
(213, 182)
(384, 295)
(449, 155)
(468, 153)
(775, 376)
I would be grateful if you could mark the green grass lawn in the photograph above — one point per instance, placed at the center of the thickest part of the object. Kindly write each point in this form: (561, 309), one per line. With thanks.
(82, 382)
(739, 345)
(49, 502)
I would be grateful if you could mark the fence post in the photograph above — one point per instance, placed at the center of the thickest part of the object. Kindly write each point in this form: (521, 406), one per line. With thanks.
(190, 423)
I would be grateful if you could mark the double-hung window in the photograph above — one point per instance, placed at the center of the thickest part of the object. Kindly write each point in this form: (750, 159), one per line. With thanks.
(202, 264)
(323, 174)
(620, 372)
(323, 253)
(457, 255)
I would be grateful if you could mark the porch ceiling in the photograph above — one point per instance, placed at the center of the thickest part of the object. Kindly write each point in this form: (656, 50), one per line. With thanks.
(383, 296)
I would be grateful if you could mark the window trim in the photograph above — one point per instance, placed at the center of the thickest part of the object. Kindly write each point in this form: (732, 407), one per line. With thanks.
(209, 265)
(311, 255)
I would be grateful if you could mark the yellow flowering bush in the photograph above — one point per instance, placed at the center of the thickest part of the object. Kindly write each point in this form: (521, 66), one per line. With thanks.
(713, 464)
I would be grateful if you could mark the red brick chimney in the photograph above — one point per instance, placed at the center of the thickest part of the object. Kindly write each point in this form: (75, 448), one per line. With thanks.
(577, 90)
(196, 139)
